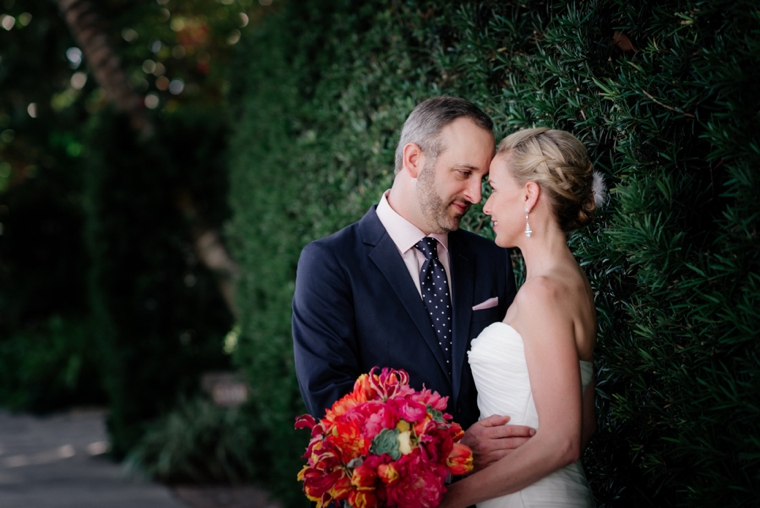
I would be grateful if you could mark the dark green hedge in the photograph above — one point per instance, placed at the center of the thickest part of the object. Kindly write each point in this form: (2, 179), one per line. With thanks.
(158, 318)
(666, 98)
(46, 358)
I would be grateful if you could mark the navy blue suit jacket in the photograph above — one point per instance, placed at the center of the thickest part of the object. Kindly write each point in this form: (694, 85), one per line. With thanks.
(356, 307)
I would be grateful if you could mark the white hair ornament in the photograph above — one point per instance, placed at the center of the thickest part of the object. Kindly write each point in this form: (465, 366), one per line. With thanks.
(599, 189)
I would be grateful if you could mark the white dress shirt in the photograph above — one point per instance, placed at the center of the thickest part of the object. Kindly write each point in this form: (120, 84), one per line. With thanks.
(406, 235)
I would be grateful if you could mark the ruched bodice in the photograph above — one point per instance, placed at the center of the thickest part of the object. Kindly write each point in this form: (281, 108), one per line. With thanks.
(497, 359)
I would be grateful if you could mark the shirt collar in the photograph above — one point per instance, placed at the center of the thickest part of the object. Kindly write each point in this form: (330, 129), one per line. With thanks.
(403, 233)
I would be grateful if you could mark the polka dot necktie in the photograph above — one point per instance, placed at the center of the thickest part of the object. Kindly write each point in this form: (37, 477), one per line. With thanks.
(435, 294)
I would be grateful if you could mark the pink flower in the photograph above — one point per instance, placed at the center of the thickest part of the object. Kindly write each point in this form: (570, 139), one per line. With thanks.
(389, 383)
(408, 409)
(378, 416)
(431, 398)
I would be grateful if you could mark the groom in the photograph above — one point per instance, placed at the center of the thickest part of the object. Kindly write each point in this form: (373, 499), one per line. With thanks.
(406, 288)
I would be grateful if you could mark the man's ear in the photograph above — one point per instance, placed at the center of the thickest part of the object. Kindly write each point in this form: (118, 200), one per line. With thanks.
(413, 160)
(531, 193)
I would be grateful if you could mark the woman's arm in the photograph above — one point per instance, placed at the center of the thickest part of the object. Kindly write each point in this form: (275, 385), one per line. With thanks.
(544, 320)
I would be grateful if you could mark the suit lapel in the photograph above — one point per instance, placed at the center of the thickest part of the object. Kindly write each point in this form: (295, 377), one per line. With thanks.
(462, 280)
(386, 257)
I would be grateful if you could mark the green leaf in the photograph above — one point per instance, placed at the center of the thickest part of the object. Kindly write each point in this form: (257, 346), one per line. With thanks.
(386, 442)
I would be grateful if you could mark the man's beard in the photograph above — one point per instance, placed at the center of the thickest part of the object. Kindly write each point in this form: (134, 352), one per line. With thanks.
(433, 208)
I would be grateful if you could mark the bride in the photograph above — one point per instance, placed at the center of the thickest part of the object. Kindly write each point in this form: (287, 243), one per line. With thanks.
(536, 364)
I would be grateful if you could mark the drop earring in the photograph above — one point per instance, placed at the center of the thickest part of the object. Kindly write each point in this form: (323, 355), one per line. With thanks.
(528, 231)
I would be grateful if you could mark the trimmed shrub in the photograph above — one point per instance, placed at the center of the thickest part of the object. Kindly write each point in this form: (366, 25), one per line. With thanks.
(664, 96)
(196, 442)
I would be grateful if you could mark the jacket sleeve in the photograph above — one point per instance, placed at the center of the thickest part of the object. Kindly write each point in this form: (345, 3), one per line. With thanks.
(324, 331)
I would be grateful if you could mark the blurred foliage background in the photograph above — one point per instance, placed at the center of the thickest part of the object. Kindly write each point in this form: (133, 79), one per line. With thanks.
(258, 126)
(113, 129)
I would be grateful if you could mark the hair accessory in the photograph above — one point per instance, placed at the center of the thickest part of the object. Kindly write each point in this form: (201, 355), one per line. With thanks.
(528, 231)
(599, 189)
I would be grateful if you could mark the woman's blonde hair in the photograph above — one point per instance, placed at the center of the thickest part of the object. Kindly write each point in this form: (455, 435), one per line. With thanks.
(558, 162)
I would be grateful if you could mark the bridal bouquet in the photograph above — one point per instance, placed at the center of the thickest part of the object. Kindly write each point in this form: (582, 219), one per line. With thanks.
(384, 444)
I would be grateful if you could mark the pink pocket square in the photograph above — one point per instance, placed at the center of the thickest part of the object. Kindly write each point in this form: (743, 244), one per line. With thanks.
(491, 302)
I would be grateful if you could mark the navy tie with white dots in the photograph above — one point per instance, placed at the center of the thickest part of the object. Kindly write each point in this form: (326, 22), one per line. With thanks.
(435, 294)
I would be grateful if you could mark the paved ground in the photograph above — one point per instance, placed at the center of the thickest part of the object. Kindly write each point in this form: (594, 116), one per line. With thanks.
(58, 461)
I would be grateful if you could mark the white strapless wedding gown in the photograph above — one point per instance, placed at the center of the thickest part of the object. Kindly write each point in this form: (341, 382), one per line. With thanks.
(497, 358)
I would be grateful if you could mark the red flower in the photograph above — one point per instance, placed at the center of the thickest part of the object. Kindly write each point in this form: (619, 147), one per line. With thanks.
(387, 473)
(342, 487)
(364, 477)
(419, 484)
(363, 480)
(325, 487)
(436, 443)
(325, 455)
(363, 499)
(305, 422)
(455, 431)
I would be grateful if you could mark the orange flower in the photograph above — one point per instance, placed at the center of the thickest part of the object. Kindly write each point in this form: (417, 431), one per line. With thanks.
(363, 389)
(340, 408)
(419, 428)
(459, 460)
(347, 437)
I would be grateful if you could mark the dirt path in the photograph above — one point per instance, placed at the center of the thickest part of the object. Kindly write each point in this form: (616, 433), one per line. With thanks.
(59, 461)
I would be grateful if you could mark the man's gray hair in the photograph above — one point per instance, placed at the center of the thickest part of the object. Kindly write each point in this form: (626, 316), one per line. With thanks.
(425, 123)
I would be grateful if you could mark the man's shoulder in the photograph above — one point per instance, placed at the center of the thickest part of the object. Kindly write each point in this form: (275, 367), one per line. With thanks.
(336, 241)
(364, 230)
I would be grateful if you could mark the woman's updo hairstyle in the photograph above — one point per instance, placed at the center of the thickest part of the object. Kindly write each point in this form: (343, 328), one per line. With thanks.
(558, 162)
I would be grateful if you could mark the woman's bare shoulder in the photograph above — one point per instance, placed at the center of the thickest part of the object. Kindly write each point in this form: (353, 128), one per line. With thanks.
(543, 290)
(549, 302)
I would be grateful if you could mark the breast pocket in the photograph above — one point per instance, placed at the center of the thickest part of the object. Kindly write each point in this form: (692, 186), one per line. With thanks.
(482, 318)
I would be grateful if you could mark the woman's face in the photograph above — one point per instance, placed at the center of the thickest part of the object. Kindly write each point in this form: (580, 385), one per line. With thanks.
(506, 204)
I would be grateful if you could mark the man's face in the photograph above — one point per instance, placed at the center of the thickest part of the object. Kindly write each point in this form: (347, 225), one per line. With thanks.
(448, 186)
